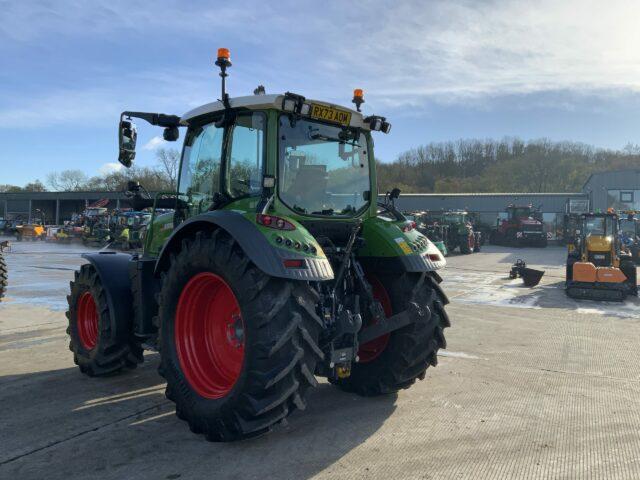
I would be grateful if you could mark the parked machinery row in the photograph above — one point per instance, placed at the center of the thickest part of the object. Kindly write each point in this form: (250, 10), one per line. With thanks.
(449, 230)
(95, 226)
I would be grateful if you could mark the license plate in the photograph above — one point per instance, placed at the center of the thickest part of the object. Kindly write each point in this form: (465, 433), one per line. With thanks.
(599, 257)
(330, 114)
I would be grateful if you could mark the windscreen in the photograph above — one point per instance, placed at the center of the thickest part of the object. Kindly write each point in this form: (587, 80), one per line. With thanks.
(521, 212)
(598, 226)
(323, 169)
(456, 217)
(628, 226)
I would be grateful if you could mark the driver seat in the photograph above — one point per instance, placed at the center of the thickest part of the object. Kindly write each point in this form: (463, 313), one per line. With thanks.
(311, 182)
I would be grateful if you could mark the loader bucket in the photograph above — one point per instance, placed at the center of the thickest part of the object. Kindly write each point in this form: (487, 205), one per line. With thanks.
(531, 277)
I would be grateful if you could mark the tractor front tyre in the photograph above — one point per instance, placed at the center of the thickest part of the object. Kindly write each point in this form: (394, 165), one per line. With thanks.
(403, 356)
(238, 348)
(100, 345)
(3, 276)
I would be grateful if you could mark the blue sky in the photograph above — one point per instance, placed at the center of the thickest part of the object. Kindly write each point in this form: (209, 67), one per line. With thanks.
(438, 70)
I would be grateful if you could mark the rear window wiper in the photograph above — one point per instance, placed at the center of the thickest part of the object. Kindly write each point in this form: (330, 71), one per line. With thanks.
(328, 211)
(299, 209)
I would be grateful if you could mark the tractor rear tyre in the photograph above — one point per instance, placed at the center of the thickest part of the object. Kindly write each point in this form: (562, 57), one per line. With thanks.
(477, 245)
(3, 276)
(238, 348)
(467, 243)
(628, 268)
(389, 364)
(100, 345)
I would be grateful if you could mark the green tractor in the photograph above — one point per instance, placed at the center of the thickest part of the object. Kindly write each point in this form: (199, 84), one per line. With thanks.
(96, 231)
(129, 229)
(459, 231)
(437, 233)
(273, 268)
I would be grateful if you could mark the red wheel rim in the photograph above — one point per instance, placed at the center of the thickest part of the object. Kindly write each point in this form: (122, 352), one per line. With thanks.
(371, 350)
(209, 335)
(87, 320)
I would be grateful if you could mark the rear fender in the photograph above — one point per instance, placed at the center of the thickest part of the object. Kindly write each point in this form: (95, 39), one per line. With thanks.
(389, 249)
(255, 245)
(113, 271)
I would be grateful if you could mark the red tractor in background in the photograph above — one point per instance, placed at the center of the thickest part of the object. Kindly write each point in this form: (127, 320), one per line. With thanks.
(521, 227)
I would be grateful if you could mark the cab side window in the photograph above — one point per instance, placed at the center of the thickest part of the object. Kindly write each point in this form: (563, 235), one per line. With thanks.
(200, 174)
(246, 155)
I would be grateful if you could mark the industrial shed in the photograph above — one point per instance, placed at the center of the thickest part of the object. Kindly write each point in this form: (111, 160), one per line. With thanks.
(618, 189)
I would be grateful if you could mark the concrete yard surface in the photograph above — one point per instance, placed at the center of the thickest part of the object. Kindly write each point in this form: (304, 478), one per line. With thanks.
(533, 385)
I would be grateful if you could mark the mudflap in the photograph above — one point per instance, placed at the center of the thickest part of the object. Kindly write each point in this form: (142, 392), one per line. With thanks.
(587, 291)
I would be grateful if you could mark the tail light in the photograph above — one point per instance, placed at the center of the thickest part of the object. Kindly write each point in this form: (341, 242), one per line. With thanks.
(272, 221)
(294, 263)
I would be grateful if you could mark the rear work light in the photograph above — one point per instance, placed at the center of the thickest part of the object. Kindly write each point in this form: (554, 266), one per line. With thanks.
(294, 103)
(272, 221)
(378, 124)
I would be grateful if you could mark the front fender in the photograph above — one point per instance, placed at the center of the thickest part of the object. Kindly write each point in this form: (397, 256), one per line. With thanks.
(267, 257)
(113, 271)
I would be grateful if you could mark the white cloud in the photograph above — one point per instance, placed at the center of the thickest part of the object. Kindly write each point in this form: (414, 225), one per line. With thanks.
(108, 168)
(407, 53)
(155, 143)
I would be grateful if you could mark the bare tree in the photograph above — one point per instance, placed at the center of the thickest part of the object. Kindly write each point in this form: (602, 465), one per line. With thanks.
(169, 161)
(67, 180)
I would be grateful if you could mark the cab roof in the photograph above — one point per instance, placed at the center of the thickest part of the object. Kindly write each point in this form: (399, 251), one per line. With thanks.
(263, 102)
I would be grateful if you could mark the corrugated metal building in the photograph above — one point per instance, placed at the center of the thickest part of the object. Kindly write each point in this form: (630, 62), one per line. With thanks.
(57, 206)
(618, 189)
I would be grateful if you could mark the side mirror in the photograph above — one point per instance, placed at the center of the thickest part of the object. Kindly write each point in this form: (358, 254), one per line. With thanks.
(395, 193)
(171, 134)
(127, 137)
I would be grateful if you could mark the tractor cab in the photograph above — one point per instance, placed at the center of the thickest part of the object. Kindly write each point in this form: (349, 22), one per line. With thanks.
(517, 213)
(308, 159)
(520, 225)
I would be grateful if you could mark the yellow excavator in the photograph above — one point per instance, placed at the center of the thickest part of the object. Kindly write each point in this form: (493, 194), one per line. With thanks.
(597, 269)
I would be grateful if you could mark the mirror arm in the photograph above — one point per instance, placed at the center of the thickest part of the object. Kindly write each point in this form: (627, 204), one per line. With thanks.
(155, 118)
